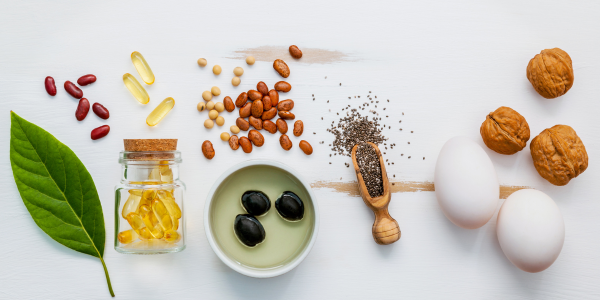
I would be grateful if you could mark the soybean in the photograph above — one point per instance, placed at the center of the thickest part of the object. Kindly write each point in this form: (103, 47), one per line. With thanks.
(225, 136)
(209, 123)
(238, 71)
(235, 81)
(250, 60)
(202, 62)
(220, 120)
(207, 95)
(215, 90)
(219, 106)
(217, 69)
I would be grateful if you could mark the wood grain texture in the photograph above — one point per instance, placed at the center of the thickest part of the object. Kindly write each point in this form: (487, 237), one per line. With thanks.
(444, 64)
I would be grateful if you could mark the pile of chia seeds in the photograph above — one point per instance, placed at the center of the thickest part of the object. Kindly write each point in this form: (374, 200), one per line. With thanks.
(369, 168)
(354, 129)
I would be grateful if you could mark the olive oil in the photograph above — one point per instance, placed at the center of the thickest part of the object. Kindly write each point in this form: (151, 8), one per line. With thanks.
(284, 240)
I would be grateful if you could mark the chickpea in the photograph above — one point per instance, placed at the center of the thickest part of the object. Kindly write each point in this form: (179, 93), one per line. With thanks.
(234, 129)
(219, 106)
(210, 105)
(202, 62)
(238, 71)
(220, 120)
(217, 69)
(206, 95)
(250, 60)
(235, 81)
(201, 106)
(225, 136)
(209, 123)
(215, 90)
(213, 114)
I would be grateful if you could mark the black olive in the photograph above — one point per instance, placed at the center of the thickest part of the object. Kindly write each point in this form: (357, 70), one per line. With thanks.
(249, 230)
(290, 207)
(256, 203)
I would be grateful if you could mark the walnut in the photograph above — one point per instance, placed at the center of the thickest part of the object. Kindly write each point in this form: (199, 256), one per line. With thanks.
(551, 73)
(558, 154)
(505, 131)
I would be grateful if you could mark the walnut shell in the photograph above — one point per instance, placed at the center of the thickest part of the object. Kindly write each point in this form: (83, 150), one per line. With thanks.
(558, 154)
(551, 73)
(505, 131)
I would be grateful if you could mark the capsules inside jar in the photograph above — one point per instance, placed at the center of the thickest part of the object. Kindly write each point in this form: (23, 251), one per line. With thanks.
(142, 67)
(160, 111)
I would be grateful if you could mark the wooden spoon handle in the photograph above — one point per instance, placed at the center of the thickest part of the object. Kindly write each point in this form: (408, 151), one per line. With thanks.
(385, 228)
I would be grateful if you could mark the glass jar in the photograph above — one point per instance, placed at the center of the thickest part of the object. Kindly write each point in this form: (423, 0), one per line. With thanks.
(149, 215)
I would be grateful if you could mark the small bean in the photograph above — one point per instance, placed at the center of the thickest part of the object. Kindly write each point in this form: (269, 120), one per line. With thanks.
(208, 150)
(262, 88)
(220, 120)
(86, 79)
(225, 136)
(213, 114)
(202, 62)
(217, 69)
(250, 60)
(209, 123)
(207, 95)
(215, 90)
(210, 105)
(285, 142)
(100, 111)
(100, 132)
(50, 86)
(201, 106)
(82, 109)
(242, 124)
(246, 144)
(73, 90)
(238, 71)
(306, 147)
(234, 143)
(234, 129)
(228, 104)
(219, 106)
(235, 81)
(241, 99)
(298, 128)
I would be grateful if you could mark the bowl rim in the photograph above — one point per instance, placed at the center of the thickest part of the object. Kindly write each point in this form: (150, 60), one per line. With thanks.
(257, 273)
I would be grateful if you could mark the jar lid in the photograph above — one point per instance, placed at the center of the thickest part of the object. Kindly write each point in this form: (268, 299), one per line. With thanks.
(145, 145)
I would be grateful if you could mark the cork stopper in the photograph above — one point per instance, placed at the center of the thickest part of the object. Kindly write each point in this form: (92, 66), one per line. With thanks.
(150, 145)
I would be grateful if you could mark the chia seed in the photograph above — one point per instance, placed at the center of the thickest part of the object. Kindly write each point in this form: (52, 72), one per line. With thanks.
(369, 168)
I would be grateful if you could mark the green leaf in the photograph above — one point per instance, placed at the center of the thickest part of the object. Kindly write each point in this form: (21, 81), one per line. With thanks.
(57, 189)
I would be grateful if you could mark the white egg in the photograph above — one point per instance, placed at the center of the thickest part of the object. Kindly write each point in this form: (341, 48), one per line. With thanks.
(466, 184)
(531, 230)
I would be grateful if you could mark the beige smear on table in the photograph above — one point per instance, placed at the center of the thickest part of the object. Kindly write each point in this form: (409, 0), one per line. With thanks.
(309, 55)
(351, 188)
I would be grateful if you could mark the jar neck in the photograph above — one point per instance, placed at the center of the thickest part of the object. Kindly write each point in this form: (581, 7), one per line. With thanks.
(150, 167)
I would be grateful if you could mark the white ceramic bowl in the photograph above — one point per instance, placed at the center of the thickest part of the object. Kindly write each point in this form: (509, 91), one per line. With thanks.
(242, 269)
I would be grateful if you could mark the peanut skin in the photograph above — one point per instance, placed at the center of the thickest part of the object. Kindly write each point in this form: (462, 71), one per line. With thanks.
(282, 68)
(246, 144)
(306, 147)
(283, 86)
(241, 99)
(282, 126)
(256, 137)
(298, 128)
(285, 142)
(269, 126)
(262, 88)
(234, 143)
(207, 150)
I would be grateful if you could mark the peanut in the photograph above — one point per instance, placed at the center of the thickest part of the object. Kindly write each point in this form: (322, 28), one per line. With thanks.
(286, 115)
(242, 124)
(285, 105)
(295, 52)
(269, 114)
(246, 110)
(257, 108)
(229, 106)
(256, 122)
(262, 88)
(267, 103)
(207, 149)
(274, 95)
(306, 147)
(298, 128)
(241, 99)
(246, 144)
(256, 137)
(282, 126)
(282, 68)
(254, 95)
(285, 142)
(269, 126)
(234, 143)
(283, 86)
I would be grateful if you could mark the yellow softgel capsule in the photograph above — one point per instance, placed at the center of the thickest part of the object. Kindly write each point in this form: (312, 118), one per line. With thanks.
(145, 234)
(162, 214)
(160, 111)
(166, 174)
(175, 224)
(136, 89)
(171, 236)
(131, 205)
(127, 236)
(154, 174)
(135, 221)
(147, 197)
(169, 202)
(142, 67)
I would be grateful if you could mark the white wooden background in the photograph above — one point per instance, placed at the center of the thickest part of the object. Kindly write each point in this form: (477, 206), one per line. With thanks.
(445, 64)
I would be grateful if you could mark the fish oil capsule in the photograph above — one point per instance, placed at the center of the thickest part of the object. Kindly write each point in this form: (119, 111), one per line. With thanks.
(136, 222)
(145, 234)
(162, 214)
(142, 67)
(151, 222)
(175, 224)
(160, 111)
(166, 174)
(131, 205)
(136, 89)
(154, 174)
(127, 236)
(171, 236)
(169, 202)
(147, 197)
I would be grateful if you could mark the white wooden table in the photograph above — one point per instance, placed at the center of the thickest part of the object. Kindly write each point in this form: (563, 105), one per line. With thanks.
(445, 64)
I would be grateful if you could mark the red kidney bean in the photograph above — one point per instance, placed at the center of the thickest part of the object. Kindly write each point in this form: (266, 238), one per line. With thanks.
(50, 86)
(73, 90)
(100, 132)
(86, 79)
(100, 111)
(82, 109)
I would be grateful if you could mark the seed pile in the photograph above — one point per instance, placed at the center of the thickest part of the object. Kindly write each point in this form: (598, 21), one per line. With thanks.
(369, 168)
(354, 129)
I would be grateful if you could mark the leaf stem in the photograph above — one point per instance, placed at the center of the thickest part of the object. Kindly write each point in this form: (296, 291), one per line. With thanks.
(107, 278)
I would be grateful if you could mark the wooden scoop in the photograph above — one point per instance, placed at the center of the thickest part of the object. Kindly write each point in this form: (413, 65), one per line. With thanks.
(385, 229)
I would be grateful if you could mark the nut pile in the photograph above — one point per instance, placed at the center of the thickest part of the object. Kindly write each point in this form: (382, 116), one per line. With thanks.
(370, 169)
